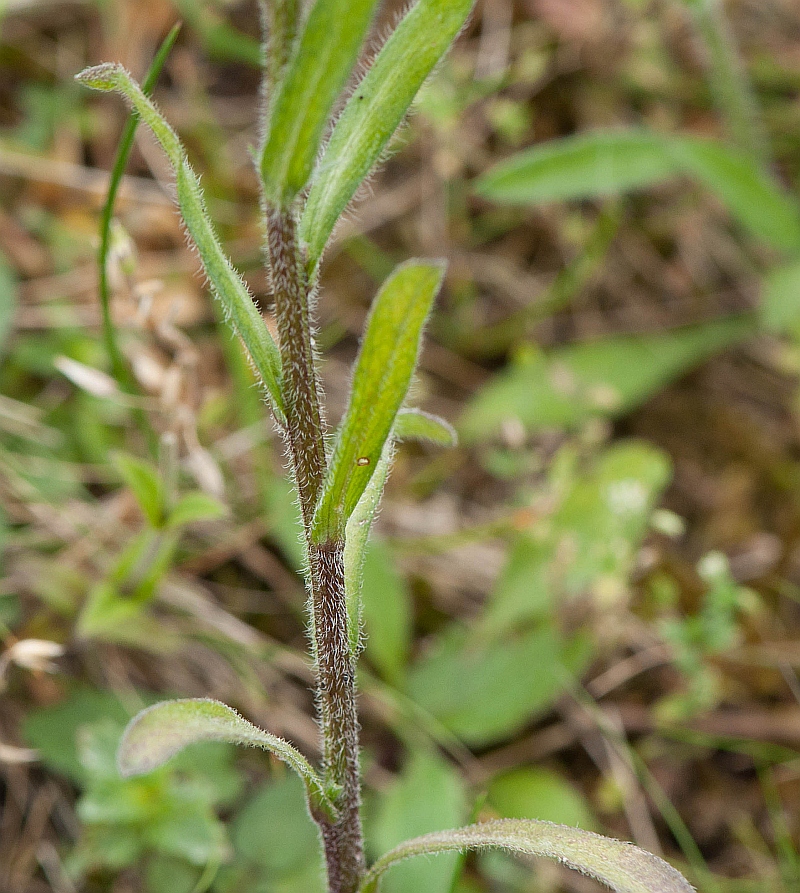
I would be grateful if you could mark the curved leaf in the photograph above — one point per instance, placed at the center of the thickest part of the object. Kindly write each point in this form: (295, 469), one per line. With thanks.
(228, 286)
(161, 731)
(324, 57)
(383, 372)
(374, 112)
(622, 866)
(414, 424)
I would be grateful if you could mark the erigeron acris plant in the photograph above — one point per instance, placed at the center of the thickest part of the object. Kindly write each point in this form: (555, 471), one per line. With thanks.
(306, 187)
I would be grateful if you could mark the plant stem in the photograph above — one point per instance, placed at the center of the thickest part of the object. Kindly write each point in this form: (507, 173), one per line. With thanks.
(280, 19)
(304, 421)
(336, 704)
(334, 661)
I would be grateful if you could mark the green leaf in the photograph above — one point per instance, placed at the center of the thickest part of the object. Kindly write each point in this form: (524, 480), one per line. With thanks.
(535, 793)
(53, 730)
(606, 163)
(428, 796)
(780, 302)
(599, 379)
(169, 874)
(196, 506)
(622, 866)
(143, 480)
(579, 167)
(483, 690)
(227, 285)
(187, 828)
(275, 832)
(414, 424)
(751, 195)
(386, 613)
(323, 59)
(356, 538)
(374, 111)
(382, 375)
(161, 731)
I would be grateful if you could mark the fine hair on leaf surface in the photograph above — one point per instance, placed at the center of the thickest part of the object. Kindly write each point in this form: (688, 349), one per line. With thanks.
(228, 285)
(159, 732)
(622, 866)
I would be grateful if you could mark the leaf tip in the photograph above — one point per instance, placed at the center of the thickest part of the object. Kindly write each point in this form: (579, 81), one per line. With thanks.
(101, 77)
(129, 755)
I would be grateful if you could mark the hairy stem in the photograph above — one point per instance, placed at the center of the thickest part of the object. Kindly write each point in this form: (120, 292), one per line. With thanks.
(334, 662)
(280, 19)
(304, 422)
(336, 703)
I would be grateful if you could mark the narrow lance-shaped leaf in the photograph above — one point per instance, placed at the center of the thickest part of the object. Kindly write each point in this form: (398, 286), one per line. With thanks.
(577, 167)
(622, 866)
(374, 111)
(356, 538)
(409, 424)
(597, 379)
(322, 61)
(226, 282)
(381, 378)
(606, 163)
(161, 731)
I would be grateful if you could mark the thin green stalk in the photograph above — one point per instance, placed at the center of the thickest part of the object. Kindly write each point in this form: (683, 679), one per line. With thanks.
(730, 85)
(119, 368)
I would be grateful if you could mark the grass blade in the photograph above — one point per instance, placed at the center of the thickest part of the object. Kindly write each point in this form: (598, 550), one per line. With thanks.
(118, 367)
(226, 282)
(159, 732)
(322, 62)
(381, 378)
(622, 866)
(375, 110)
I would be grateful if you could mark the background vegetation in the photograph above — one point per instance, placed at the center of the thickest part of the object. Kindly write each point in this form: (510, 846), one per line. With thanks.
(587, 612)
